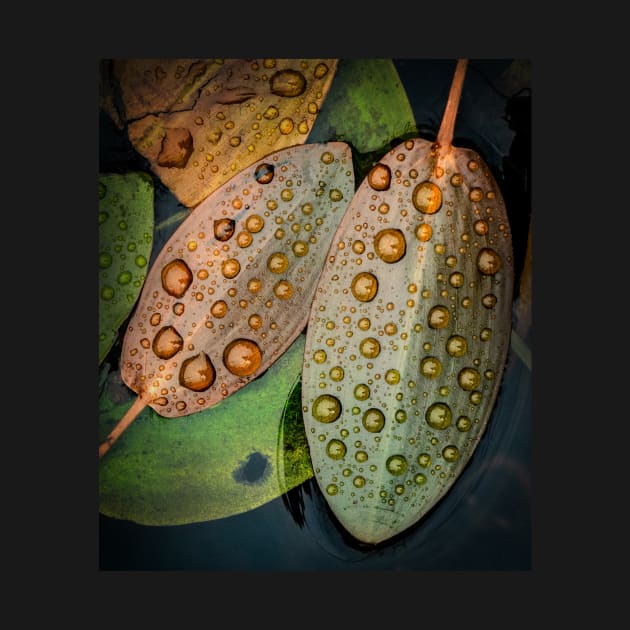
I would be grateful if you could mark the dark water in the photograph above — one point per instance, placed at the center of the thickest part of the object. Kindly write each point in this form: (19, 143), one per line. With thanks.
(484, 522)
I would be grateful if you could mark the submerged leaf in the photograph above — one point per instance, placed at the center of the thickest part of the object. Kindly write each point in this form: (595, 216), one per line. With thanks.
(408, 334)
(213, 464)
(125, 216)
(200, 121)
(367, 106)
(232, 287)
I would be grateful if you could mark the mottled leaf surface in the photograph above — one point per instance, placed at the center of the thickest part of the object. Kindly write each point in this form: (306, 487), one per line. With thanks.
(125, 217)
(201, 121)
(216, 463)
(367, 106)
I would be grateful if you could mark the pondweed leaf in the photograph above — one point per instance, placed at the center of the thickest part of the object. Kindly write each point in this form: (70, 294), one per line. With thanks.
(125, 240)
(213, 464)
(201, 121)
(232, 288)
(408, 333)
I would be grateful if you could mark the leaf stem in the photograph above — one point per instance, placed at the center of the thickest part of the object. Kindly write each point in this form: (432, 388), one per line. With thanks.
(447, 126)
(132, 413)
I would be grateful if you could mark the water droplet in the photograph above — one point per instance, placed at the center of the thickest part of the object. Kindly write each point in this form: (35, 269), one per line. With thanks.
(197, 373)
(370, 347)
(167, 342)
(481, 227)
(379, 177)
(430, 367)
(450, 453)
(283, 290)
(358, 481)
(244, 239)
(286, 194)
(102, 190)
(104, 260)
(390, 245)
(392, 377)
(361, 391)
(456, 279)
(156, 318)
(475, 194)
(456, 346)
(485, 334)
(230, 268)
(424, 459)
(286, 126)
(219, 309)
(463, 424)
(242, 357)
(321, 70)
(457, 180)
(287, 83)
(332, 489)
(255, 322)
(373, 420)
(277, 262)
(424, 232)
(141, 261)
(271, 112)
(438, 317)
(336, 373)
(427, 197)
(336, 449)
(396, 465)
(488, 261)
(489, 300)
(254, 223)
(439, 416)
(178, 308)
(364, 286)
(224, 229)
(420, 479)
(176, 278)
(326, 408)
(469, 379)
(335, 195)
(107, 293)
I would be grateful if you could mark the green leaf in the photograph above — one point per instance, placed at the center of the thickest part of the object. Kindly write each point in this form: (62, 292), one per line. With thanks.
(225, 460)
(367, 106)
(125, 217)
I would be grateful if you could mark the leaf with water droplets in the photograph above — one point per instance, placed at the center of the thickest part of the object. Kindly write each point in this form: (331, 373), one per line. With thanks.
(232, 287)
(221, 461)
(408, 334)
(125, 217)
(201, 121)
(367, 105)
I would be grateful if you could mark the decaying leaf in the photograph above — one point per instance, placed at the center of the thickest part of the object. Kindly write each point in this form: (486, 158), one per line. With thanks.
(201, 121)
(125, 217)
(408, 334)
(213, 464)
(232, 287)
(367, 106)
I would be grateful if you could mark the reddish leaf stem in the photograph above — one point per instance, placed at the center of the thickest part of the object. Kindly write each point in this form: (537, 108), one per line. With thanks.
(447, 127)
(132, 413)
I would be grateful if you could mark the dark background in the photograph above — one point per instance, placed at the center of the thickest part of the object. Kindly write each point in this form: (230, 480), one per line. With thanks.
(485, 520)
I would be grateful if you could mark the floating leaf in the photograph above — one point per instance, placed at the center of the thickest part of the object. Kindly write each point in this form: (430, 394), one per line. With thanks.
(408, 333)
(201, 121)
(125, 217)
(213, 464)
(367, 106)
(232, 287)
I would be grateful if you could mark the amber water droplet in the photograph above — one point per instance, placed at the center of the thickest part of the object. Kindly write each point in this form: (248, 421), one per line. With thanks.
(167, 342)
(370, 348)
(379, 177)
(255, 322)
(283, 290)
(176, 277)
(321, 70)
(488, 261)
(373, 420)
(364, 286)
(224, 229)
(288, 83)
(424, 232)
(230, 268)
(219, 309)
(197, 373)
(431, 367)
(326, 408)
(456, 346)
(390, 245)
(242, 357)
(277, 262)
(439, 416)
(438, 317)
(254, 223)
(336, 449)
(286, 126)
(469, 379)
(427, 197)
(179, 308)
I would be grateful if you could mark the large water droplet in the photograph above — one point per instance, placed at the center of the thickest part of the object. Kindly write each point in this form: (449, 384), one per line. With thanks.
(197, 373)
(427, 198)
(224, 229)
(390, 245)
(326, 408)
(488, 261)
(176, 278)
(167, 342)
(379, 177)
(288, 83)
(373, 420)
(364, 286)
(277, 262)
(396, 465)
(336, 449)
(438, 317)
(469, 379)
(242, 357)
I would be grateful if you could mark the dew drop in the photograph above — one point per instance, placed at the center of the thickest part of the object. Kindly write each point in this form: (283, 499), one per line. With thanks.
(364, 286)
(438, 317)
(424, 460)
(176, 278)
(370, 348)
(424, 232)
(244, 239)
(396, 465)
(178, 308)
(104, 260)
(438, 416)
(379, 177)
(141, 261)
(456, 279)
(463, 424)
(456, 346)
(224, 229)
(230, 268)
(427, 198)
(242, 357)
(489, 300)
(283, 290)
(336, 449)
(326, 408)
(468, 379)
(300, 248)
(336, 373)
(450, 453)
(197, 373)
(390, 245)
(287, 83)
(255, 321)
(488, 261)
(167, 342)
(361, 391)
(373, 420)
(219, 309)
(430, 367)
(392, 377)
(286, 126)
(254, 223)
(277, 262)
